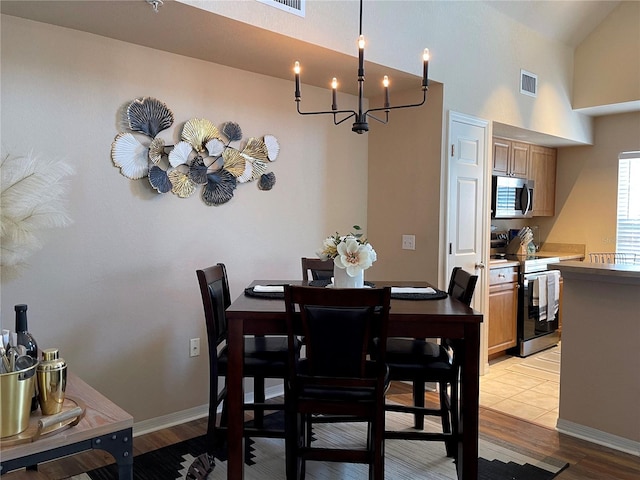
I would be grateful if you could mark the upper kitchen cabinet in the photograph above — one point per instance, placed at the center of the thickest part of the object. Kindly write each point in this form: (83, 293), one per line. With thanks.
(542, 170)
(510, 158)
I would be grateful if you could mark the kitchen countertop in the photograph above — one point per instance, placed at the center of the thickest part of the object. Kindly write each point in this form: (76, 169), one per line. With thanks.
(602, 272)
(563, 256)
(564, 251)
(502, 263)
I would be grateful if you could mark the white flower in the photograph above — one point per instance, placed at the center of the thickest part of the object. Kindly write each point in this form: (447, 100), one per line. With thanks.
(354, 256)
(328, 249)
(350, 252)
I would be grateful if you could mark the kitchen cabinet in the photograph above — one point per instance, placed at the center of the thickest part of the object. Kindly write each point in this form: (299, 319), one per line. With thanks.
(503, 309)
(510, 158)
(542, 170)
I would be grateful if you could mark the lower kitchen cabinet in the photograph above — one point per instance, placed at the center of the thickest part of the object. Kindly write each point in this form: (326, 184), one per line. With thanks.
(503, 309)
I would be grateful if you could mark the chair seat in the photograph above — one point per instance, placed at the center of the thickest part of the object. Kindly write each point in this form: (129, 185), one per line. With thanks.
(263, 356)
(409, 359)
(316, 391)
(416, 354)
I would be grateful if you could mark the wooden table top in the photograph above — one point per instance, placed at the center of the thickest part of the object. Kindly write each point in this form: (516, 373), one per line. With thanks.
(446, 310)
(102, 417)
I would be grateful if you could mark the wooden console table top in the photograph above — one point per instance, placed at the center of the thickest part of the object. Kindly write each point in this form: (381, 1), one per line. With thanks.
(102, 417)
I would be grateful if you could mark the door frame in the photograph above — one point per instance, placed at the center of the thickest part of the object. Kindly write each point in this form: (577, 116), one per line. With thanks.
(480, 300)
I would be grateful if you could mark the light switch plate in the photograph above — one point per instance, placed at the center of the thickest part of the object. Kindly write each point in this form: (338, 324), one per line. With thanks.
(408, 242)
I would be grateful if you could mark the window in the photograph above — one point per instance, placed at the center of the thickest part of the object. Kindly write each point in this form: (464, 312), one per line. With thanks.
(628, 225)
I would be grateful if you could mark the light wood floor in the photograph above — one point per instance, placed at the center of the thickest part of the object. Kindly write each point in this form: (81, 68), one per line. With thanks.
(588, 461)
(527, 388)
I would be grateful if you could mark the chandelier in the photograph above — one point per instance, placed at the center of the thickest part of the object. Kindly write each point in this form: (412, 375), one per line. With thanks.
(360, 124)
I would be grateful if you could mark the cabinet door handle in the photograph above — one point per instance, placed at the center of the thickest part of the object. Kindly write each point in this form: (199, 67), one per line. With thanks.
(480, 266)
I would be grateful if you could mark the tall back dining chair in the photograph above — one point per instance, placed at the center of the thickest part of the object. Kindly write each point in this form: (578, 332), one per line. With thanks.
(420, 361)
(265, 357)
(320, 269)
(335, 381)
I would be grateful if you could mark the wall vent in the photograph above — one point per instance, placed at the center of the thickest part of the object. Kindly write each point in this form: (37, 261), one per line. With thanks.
(292, 6)
(528, 83)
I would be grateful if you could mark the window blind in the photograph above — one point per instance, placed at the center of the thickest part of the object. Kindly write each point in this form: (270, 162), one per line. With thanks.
(628, 214)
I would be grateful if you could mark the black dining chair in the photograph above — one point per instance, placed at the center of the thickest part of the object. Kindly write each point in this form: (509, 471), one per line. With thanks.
(420, 361)
(335, 381)
(320, 269)
(264, 357)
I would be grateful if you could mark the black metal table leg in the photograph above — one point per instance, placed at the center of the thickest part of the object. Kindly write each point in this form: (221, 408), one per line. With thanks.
(120, 446)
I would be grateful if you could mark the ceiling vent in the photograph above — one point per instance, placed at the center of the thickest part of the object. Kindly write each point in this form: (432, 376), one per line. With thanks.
(528, 83)
(292, 6)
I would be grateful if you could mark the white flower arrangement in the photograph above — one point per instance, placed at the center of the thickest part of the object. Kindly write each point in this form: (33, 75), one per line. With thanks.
(350, 252)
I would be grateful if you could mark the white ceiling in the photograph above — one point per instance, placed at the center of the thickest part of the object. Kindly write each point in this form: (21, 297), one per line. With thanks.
(568, 21)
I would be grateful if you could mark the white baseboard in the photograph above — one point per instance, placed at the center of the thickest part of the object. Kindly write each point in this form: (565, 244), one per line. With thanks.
(195, 413)
(599, 437)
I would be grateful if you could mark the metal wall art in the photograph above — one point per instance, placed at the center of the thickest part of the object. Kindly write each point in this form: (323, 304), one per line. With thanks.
(203, 157)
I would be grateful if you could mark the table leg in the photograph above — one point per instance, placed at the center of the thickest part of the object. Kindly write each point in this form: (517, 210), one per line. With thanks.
(467, 459)
(235, 400)
(120, 446)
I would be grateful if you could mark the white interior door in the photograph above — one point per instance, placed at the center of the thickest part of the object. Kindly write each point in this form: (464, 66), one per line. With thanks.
(467, 198)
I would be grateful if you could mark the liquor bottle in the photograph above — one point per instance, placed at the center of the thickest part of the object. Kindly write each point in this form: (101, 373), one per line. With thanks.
(23, 337)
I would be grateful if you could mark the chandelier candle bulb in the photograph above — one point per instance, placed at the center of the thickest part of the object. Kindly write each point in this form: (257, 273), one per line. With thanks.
(334, 89)
(296, 70)
(385, 82)
(361, 56)
(425, 67)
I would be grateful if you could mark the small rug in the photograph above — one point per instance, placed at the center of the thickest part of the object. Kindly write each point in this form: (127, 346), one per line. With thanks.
(404, 459)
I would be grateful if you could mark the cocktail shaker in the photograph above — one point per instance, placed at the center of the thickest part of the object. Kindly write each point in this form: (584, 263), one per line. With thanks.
(52, 381)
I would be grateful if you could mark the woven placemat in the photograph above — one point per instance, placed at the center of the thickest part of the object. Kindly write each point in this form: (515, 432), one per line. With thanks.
(437, 295)
(249, 292)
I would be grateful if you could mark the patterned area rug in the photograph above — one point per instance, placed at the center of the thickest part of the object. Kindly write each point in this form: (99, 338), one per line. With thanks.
(403, 460)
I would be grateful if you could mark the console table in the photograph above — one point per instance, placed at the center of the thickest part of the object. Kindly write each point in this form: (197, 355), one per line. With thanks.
(105, 426)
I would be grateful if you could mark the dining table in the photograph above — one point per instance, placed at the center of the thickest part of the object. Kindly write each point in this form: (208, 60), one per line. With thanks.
(442, 317)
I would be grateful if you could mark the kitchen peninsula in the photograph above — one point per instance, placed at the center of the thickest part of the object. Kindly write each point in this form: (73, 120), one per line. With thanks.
(599, 380)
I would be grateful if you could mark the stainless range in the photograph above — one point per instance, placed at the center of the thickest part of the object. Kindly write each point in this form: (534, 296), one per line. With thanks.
(534, 334)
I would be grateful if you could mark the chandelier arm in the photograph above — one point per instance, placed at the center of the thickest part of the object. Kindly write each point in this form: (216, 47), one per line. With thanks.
(331, 112)
(351, 115)
(424, 99)
(385, 121)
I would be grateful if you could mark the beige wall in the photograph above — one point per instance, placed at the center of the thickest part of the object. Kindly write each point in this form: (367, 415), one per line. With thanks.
(116, 292)
(587, 184)
(404, 188)
(607, 63)
(599, 381)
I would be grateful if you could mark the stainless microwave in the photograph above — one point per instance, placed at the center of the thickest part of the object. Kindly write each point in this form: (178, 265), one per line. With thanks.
(511, 197)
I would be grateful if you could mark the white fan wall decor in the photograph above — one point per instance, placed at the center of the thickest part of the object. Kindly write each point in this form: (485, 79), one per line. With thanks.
(202, 158)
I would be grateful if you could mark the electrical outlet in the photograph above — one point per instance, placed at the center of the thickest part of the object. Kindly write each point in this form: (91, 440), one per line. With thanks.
(194, 347)
(408, 242)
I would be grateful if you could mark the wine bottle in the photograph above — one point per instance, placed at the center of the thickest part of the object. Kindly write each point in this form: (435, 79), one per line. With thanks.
(23, 337)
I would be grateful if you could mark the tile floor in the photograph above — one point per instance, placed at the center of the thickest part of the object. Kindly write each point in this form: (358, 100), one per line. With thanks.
(526, 388)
